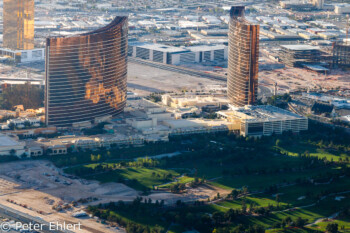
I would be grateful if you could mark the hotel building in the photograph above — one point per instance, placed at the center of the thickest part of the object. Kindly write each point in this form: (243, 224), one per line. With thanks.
(86, 75)
(243, 56)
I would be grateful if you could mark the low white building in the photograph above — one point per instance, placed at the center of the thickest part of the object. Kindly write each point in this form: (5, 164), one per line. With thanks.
(86, 143)
(24, 56)
(342, 9)
(20, 122)
(11, 146)
(141, 123)
(186, 24)
(159, 113)
(107, 141)
(119, 140)
(35, 151)
(57, 150)
(211, 19)
(180, 101)
(197, 126)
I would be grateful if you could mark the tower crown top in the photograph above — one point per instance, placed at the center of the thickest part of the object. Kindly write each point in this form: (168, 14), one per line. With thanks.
(237, 11)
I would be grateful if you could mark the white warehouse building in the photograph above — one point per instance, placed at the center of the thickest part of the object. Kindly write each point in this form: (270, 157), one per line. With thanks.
(176, 55)
(156, 52)
(205, 53)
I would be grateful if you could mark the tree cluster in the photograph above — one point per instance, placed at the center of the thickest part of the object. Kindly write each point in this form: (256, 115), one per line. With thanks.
(30, 96)
(189, 216)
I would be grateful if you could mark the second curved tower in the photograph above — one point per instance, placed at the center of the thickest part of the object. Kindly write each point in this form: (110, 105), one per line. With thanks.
(242, 79)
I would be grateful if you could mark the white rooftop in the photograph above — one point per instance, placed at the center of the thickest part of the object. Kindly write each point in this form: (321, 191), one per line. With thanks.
(206, 48)
(300, 47)
(260, 113)
(160, 47)
(7, 141)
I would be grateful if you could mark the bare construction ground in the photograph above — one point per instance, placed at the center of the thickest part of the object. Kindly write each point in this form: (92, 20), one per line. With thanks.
(295, 78)
(144, 80)
(291, 78)
(35, 187)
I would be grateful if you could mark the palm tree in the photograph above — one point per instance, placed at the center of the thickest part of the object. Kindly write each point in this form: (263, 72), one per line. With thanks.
(278, 199)
(12, 152)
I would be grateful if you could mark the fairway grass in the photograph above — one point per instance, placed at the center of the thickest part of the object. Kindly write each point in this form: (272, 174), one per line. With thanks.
(258, 202)
(143, 220)
(299, 148)
(262, 181)
(306, 187)
(138, 178)
(180, 180)
(343, 224)
(176, 229)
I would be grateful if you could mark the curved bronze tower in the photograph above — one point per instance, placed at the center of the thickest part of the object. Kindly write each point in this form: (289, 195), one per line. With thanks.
(242, 79)
(86, 75)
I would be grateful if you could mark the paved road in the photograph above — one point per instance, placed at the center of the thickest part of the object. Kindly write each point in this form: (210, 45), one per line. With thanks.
(2, 231)
(16, 215)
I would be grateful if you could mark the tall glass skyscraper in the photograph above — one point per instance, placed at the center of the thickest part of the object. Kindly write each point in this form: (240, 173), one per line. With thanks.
(243, 57)
(18, 17)
(86, 75)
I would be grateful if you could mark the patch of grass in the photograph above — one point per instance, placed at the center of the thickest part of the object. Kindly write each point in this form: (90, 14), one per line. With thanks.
(262, 181)
(144, 220)
(181, 180)
(300, 148)
(256, 165)
(343, 224)
(309, 192)
(137, 178)
(258, 202)
(176, 229)
(323, 209)
(269, 221)
(292, 230)
(211, 208)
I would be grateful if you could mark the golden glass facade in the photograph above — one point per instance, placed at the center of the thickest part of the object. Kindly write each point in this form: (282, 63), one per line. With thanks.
(18, 16)
(243, 57)
(86, 75)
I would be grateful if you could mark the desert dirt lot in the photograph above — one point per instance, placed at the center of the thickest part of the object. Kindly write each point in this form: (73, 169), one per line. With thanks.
(34, 187)
(145, 79)
(294, 78)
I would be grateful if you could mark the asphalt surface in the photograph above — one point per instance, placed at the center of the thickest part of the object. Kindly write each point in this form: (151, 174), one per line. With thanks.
(18, 216)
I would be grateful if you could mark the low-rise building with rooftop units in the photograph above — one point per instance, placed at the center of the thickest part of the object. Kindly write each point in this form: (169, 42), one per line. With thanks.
(180, 101)
(197, 126)
(264, 120)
